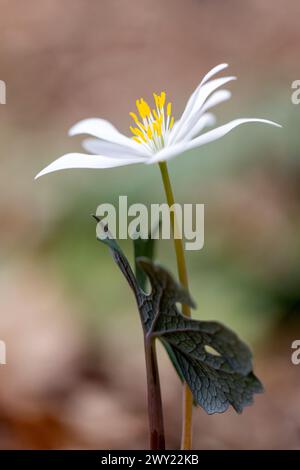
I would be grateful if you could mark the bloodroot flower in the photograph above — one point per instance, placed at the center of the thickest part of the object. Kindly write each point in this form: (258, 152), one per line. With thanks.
(156, 136)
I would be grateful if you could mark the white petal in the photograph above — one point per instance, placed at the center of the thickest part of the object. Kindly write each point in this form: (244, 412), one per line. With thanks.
(104, 130)
(175, 126)
(205, 90)
(197, 120)
(215, 134)
(195, 104)
(206, 120)
(213, 71)
(216, 98)
(109, 149)
(193, 125)
(81, 160)
(204, 81)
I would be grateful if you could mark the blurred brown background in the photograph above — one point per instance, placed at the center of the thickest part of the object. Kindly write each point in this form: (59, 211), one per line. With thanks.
(75, 369)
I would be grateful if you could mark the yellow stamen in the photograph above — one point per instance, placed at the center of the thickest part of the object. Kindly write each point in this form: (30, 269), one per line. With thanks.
(149, 132)
(159, 126)
(143, 108)
(136, 120)
(152, 125)
(140, 107)
(137, 132)
(156, 99)
(162, 99)
(134, 130)
(137, 102)
(155, 114)
(147, 110)
(134, 117)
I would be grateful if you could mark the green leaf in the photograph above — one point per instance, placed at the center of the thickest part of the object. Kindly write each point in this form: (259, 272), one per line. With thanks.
(172, 356)
(145, 248)
(214, 362)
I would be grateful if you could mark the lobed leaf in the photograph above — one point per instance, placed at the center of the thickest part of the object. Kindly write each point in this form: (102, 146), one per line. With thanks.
(211, 358)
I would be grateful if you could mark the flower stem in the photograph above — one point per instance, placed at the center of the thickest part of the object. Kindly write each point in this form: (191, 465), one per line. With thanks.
(156, 424)
(187, 404)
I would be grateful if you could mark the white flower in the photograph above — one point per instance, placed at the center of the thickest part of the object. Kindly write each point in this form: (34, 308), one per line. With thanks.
(156, 137)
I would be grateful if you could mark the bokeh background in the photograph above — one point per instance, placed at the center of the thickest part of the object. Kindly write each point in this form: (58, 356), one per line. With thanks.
(75, 375)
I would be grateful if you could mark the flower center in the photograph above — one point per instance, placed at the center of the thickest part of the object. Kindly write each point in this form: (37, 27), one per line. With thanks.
(152, 128)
